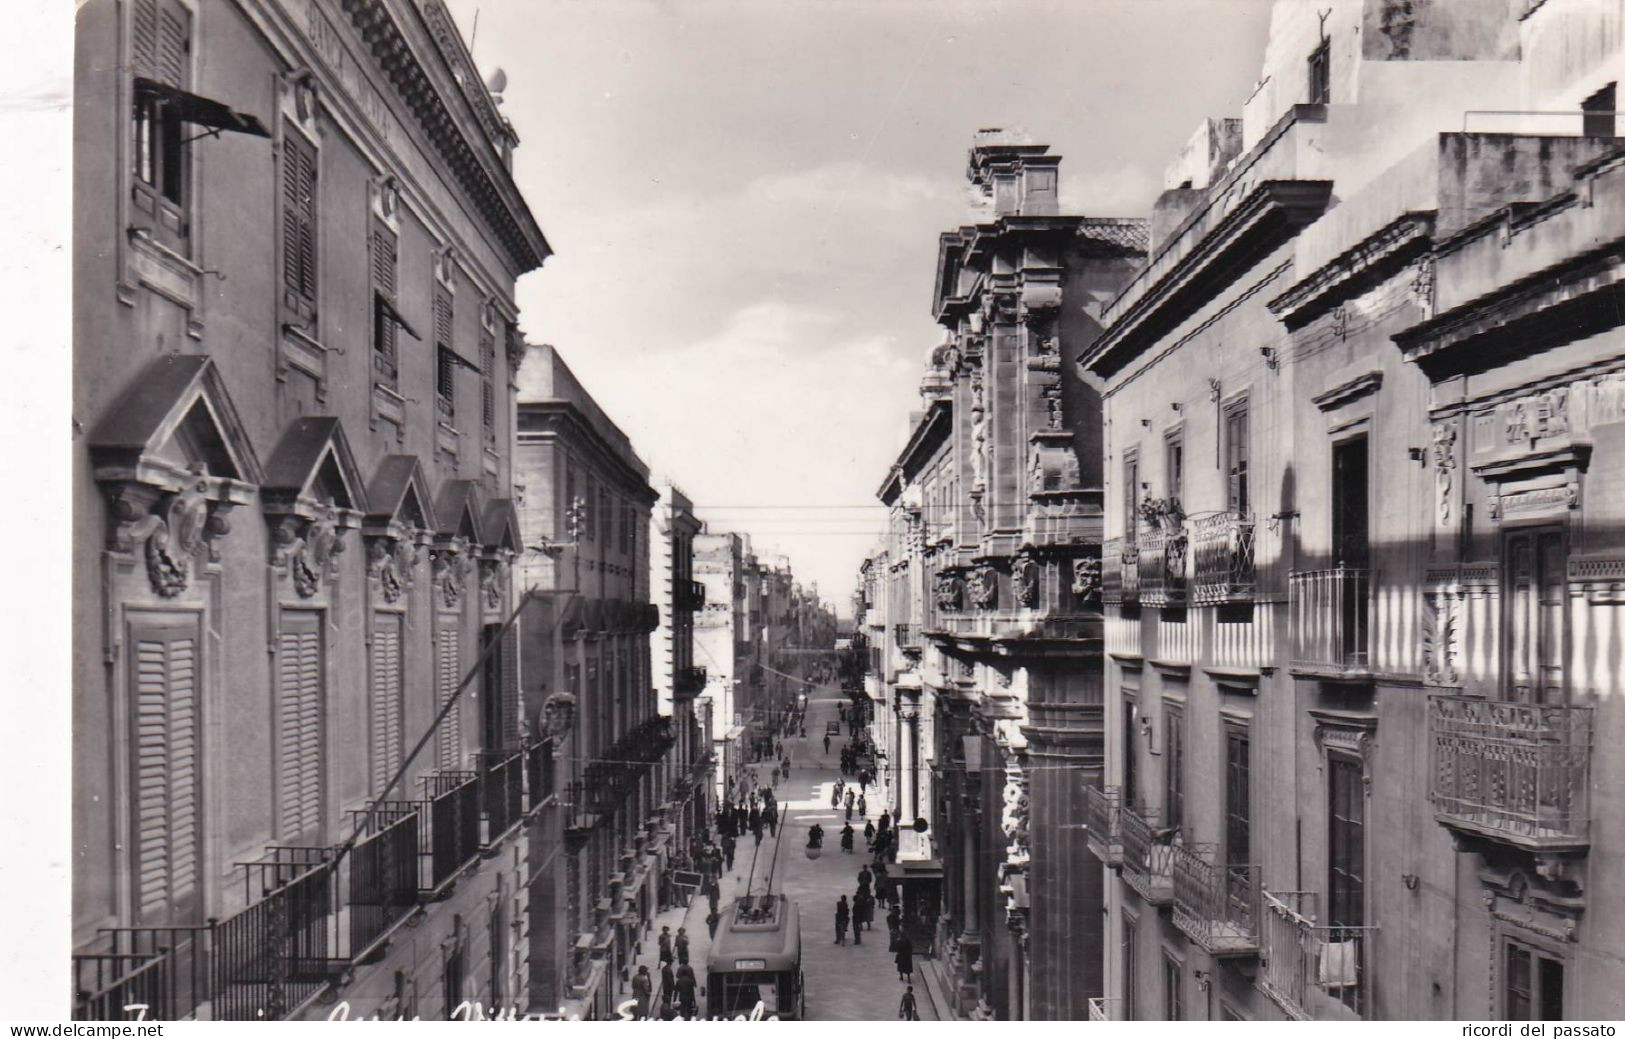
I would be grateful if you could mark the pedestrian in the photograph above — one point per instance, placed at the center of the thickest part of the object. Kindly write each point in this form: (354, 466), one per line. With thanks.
(712, 921)
(685, 992)
(755, 818)
(868, 834)
(665, 945)
(728, 850)
(712, 893)
(862, 913)
(907, 1010)
(668, 987)
(863, 806)
(681, 945)
(842, 915)
(756, 831)
(846, 838)
(826, 743)
(905, 957)
(866, 879)
(642, 988)
(894, 923)
(863, 781)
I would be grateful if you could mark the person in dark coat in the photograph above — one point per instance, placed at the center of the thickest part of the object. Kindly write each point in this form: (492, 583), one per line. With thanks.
(685, 992)
(842, 915)
(668, 987)
(894, 923)
(866, 880)
(907, 1009)
(712, 893)
(863, 915)
(755, 818)
(642, 989)
(826, 743)
(712, 921)
(680, 943)
(905, 957)
(846, 837)
(665, 945)
(868, 834)
(863, 806)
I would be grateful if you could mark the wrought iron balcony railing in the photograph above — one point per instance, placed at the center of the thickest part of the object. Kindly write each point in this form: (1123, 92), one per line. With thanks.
(1162, 567)
(1331, 620)
(1105, 836)
(1516, 773)
(1224, 564)
(1120, 571)
(689, 681)
(538, 773)
(383, 886)
(502, 791)
(907, 636)
(1216, 905)
(1148, 855)
(1309, 970)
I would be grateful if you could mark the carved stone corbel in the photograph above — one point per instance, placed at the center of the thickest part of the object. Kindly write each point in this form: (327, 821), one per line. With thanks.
(1086, 579)
(392, 561)
(175, 530)
(1025, 577)
(308, 547)
(449, 564)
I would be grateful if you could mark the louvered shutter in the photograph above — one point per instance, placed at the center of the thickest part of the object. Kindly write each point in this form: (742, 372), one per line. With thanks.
(510, 687)
(386, 699)
(299, 722)
(451, 730)
(174, 43)
(166, 787)
(144, 38)
(298, 221)
(383, 287)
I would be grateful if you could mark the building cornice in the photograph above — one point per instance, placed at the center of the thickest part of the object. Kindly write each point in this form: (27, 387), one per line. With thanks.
(542, 422)
(1354, 270)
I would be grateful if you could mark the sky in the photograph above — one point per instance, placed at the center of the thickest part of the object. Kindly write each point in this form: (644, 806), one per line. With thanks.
(744, 198)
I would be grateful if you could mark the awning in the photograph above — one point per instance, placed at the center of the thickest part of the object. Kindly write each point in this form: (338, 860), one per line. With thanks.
(922, 869)
(735, 732)
(199, 111)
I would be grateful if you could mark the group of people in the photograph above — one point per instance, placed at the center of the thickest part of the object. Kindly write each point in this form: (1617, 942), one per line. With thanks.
(759, 812)
(859, 916)
(678, 982)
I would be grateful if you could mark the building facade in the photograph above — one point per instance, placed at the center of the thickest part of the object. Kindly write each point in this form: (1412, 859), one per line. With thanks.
(600, 847)
(722, 643)
(296, 237)
(677, 678)
(991, 609)
(1359, 682)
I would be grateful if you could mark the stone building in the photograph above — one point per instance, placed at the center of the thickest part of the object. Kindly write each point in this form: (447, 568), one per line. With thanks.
(721, 641)
(296, 237)
(598, 850)
(1360, 681)
(992, 612)
(678, 680)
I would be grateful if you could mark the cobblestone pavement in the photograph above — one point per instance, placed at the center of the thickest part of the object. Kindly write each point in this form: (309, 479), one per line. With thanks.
(848, 982)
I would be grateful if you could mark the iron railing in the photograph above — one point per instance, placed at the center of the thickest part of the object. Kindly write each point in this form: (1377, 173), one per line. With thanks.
(689, 681)
(160, 973)
(1514, 772)
(1120, 571)
(907, 635)
(454, 823)
(1162, 567)
(1224, 562)
(539, 772)
(1331, 619)
(1101, 811)
(1100, 1008)
(1310, 969)
(1216, 905)
(1147, 856)
(502, 791)
(274, 955)
(383, 882)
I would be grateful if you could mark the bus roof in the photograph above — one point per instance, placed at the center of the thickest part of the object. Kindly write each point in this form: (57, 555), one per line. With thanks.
(764, 929)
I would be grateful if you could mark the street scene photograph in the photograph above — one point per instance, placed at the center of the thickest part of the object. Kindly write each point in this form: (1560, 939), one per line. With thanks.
(818, 510)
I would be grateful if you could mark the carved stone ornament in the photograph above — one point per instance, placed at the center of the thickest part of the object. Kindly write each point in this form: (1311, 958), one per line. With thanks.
(1444, 469)
(493, 579)
(1086, 579)
(176, 530)
(450, 568)
(392, 561)
(1440, 620)
(307, 548)
(558, 715)
(950, 592)
(1025, 577)
(984, 588)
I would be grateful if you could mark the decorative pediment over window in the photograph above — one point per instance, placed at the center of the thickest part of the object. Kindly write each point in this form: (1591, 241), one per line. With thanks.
(459, 533)
(501, 526)
(312, 493)
(400, 521)
(174, 459)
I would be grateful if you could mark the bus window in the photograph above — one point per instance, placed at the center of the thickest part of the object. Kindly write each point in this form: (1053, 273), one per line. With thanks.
(741, 992)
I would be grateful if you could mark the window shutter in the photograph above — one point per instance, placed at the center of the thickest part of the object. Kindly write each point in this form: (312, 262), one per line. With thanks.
(144, 38)
(166, 788)
(173, 43)
(299, 717)
(299, 221)
(451, 730)
(442, 317)
(510, 687)
(386, 698)
(383, 286)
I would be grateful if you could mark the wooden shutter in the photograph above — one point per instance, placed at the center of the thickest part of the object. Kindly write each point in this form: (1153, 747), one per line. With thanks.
(161, 41)
(386, 699)
(144, 38)
(383, 288)
(299, 724)
(298, 221)
(166, 787)
(510, 687)
(449, 668)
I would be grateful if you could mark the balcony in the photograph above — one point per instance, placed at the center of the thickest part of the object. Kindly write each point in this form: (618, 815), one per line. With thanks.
(1216, 905)
(1120, 572)
(1224, 559)
(688, 595)
(1331, 622)
(689, 681)
(538, 773)
(1101, 811)
(502, 792)
(1312, 972)
(1148, 855)
(1162, 567)
(1515, 773)
(906, 635)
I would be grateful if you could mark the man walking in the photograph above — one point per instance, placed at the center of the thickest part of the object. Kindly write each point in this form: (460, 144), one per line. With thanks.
(712, 893)
(907, 1010)
(685, 992)
(681, 945)
(728, 849)
(665, 945)
(826, 743)
(842, 915)
(642, 986)
(668, 988)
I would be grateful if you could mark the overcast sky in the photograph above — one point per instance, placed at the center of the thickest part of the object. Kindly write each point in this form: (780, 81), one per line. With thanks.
(745, 199)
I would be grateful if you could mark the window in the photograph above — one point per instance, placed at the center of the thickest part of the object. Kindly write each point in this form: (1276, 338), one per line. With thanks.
(1238, 824)
(1173, 756)
(299, 168)
(1131, 493)
(488, 389)
(1345, 850)
(1536, 565)
(1237, 499)
(1173, 989)
(166, 790)
(160, 49)
(1131, 953)
(384, 320)
(386, 699)
(1320, 74)
(1350, 507)
(1131, 779)
(1533, 989)
(300, 717)
(1597, 113)
(448, 674)
(566, 523)
(1174, 467)
(445, 370)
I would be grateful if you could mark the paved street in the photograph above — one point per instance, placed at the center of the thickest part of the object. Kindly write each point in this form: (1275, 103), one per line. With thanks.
(844, 983)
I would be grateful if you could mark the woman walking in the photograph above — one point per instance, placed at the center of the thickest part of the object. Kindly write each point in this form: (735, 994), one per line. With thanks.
(905, 957)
